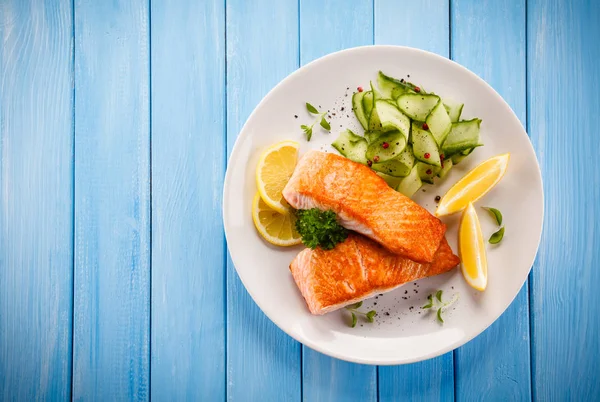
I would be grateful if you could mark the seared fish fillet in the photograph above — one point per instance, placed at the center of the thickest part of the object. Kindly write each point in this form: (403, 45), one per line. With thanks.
(357, 269)
(364, 203)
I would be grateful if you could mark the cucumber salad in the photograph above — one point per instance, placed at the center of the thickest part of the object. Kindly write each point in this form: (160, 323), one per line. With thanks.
(410, 136)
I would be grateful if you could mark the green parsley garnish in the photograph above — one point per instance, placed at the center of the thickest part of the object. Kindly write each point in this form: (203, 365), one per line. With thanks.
(311, 108)
(438, 305)
(308, 130)
(353, 324)
(430, 303)
(370, 315)
(499, 235)
(495, 213)
(438, 295)
(320, 228)
(353, 311)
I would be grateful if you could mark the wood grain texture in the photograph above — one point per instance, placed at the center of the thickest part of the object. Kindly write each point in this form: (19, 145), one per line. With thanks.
(325, 28)
(430, 380)
(563, 86)
(36, 190)
(112, 201)
(188, 163)
(488, 37)
(423, 24)
(401, 23)
(263, 363)
(327, 379)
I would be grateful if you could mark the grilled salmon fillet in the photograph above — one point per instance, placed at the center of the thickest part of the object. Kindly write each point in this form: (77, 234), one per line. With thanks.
(357, 269)
(364, 203)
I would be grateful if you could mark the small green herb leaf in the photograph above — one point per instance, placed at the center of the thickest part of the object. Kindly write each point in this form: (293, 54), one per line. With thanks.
(311, 108)
(439, 315)
(353, 320)
(438, 295)
(430, 304)
(308, 132)
(355, 305)
(304, 127)
(495, 213)
(497, 237)
(370, 315)
(325, 124)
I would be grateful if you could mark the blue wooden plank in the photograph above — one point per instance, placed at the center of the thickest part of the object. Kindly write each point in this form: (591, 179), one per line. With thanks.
(112, 201)
(563, 85)
(325, 28)
(188, 163)
(488, 37)
(328, 379)
(430, 380)
(332, 26)
(425, 25)
(263, 363)
(36, 190)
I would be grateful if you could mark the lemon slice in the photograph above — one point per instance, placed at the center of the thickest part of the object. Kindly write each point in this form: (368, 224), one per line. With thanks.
(473, 185)
(471, 248)
(278, 229)
(274, 170)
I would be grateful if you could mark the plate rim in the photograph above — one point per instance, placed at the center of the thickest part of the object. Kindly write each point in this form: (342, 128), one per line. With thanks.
(227, 185)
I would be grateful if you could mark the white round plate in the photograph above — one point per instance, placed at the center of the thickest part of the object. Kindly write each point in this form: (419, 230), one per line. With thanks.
(402, 332)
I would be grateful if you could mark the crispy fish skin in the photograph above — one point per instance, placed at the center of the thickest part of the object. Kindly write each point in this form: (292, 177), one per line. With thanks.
(356, 269)
(364, 203)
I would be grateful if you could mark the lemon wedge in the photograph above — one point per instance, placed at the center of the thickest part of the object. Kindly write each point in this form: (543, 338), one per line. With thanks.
(278, 229)
(275, 167)
(471, 248)
(473, 185)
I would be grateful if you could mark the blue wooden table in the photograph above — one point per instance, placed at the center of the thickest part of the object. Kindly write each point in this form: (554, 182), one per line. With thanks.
(116, 121)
